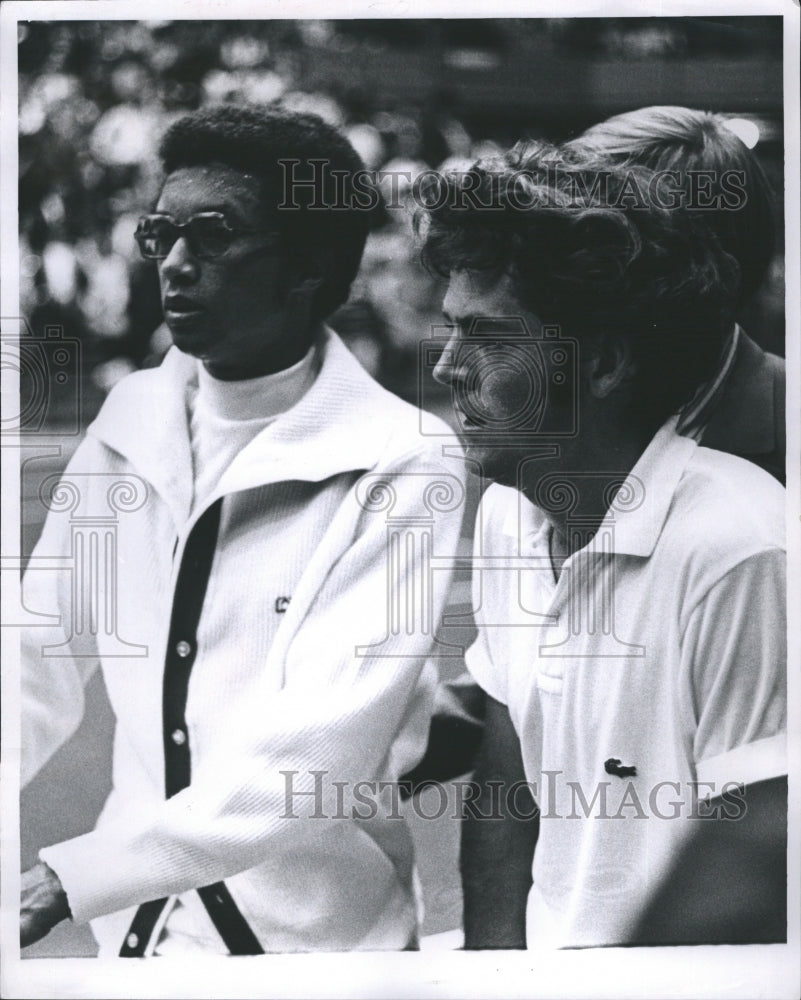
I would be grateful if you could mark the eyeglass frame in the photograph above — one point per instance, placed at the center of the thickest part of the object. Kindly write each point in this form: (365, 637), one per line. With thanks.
(181, 226)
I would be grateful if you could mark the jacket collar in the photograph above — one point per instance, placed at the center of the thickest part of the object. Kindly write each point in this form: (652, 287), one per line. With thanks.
(640, 508)
(343, 423)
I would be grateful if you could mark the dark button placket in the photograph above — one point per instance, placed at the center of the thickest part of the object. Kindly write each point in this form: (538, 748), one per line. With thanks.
(182, 645)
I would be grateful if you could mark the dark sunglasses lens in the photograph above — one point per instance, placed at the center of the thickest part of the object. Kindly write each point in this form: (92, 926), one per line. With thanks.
(209, 237)
(156, 237)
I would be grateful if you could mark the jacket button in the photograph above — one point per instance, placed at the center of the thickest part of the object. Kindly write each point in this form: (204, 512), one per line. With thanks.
(132, 940)
(178, 736)
(183, 648)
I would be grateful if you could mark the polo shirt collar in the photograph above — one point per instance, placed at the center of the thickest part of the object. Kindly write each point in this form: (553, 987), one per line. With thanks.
(640, 508)
(343, 423)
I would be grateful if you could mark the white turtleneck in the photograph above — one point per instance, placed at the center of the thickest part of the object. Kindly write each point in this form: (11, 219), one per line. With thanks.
(226, 416)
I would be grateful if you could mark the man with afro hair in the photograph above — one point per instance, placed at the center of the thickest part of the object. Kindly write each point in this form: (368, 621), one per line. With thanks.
(267, 694)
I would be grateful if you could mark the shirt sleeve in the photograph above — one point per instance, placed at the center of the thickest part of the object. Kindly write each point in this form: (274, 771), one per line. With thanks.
(350, 682)
(735, 658)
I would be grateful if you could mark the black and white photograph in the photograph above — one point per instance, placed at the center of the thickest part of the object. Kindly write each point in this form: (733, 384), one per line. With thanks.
(401, 499)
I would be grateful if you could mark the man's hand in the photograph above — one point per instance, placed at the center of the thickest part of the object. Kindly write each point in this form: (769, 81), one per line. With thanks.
(43, 904)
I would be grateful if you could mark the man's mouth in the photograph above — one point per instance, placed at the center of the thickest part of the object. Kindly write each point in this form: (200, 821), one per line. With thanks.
(179, 307)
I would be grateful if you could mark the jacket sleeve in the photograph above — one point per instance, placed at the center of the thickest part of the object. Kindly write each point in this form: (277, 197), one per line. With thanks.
(351, 671)
(53, 671)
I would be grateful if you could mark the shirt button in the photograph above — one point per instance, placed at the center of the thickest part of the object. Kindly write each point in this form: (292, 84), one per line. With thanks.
(178, 736)
(183, 648)
(132, 940)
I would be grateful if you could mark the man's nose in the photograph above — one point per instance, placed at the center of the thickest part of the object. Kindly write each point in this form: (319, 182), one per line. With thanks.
(179, 264)
(446, 369)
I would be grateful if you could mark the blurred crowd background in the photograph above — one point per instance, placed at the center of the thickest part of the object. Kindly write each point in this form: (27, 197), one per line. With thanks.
(94, 98)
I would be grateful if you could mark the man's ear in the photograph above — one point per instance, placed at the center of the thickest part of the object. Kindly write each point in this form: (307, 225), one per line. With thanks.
(304, 278)
(610, 367)
(300, 298)
(307, 285)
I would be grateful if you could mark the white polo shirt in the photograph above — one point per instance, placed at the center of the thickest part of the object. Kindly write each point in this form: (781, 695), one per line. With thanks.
(662, 648)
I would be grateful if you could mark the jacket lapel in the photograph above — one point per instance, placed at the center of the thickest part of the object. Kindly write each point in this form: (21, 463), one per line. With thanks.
(332, 429)
(145, 419)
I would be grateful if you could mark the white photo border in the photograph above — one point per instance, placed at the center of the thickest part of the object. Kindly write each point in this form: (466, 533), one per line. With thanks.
(722, 971)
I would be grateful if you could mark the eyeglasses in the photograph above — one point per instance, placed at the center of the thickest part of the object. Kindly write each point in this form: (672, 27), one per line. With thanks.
(208, 234)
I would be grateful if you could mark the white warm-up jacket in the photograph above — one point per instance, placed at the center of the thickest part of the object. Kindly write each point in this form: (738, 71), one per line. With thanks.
(309, 672)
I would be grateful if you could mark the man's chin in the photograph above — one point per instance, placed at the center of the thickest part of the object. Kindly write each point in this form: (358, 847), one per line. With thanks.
(491, 461)
(191, 338)
(506, 461)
